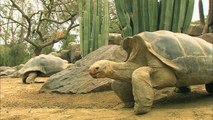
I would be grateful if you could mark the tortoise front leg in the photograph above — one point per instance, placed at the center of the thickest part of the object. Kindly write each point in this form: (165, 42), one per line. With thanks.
(144, 81)
(124, 91)
(30, 78)
(142, 90)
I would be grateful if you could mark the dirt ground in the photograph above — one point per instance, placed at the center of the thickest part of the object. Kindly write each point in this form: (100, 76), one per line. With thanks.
(24, 102)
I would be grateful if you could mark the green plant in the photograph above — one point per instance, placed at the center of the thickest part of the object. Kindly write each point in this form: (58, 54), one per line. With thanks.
(94, 24)
(65, 43)
(13, 54)
(150, 15)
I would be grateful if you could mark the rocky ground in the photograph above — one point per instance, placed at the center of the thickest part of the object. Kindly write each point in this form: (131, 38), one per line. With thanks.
(23, 102)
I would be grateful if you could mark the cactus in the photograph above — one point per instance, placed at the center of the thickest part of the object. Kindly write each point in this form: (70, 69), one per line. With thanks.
(94, 23)
(135, 18)
(105, 23)
(142, 15)
(166, 13)
(86, 34)
(179, 15)
(152, 15)
(80, 6)
(99, 22)
(124, 18)
(134, 15)
(188, 16)
(94, 35)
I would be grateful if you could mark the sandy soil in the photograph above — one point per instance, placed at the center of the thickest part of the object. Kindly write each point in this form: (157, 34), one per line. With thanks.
(23, 102)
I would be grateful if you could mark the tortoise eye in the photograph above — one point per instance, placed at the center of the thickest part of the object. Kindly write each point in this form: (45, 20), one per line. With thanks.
(97, 68)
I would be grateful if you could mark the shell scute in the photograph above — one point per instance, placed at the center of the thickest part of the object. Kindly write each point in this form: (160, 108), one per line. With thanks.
(207, 47)
(190, 47)
(168, 47)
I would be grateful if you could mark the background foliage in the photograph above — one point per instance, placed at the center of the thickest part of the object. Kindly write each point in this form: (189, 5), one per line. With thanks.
(39, 24)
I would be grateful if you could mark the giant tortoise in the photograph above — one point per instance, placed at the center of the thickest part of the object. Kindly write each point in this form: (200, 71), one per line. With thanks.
(157, 60)
(42, 65)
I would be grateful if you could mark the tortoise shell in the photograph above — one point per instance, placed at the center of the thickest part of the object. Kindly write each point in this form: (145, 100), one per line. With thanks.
(181, 52)
(45, 64)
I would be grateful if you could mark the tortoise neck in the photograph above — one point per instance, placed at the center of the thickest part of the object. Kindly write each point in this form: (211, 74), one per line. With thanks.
(122, 71)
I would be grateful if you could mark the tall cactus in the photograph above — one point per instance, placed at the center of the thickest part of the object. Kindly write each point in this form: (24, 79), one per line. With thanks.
(105, 26)
(166, 13)
(123, 17)
(94, 24)
(152, 15)
(80, 6)
(135, 18)
(179, 15)
(188, 15)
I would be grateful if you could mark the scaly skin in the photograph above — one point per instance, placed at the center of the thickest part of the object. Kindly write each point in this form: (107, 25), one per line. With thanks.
(121, 71)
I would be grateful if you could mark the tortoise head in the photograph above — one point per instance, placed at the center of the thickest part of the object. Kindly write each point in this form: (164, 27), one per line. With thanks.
(100, 69)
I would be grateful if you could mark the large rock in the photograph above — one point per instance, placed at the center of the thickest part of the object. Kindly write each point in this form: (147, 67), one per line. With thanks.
(72, 54)
(77, 79)
(115, 39)
(195, 30)
(207, 37)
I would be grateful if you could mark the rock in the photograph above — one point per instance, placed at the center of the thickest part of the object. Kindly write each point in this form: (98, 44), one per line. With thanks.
(77, 79)
(207, 37)
(72, 54)
(195, 30)
(115, 39)
(64, 54)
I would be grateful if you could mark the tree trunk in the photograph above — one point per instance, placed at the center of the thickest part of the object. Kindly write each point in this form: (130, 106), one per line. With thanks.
(37, 51)
(209, 22)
